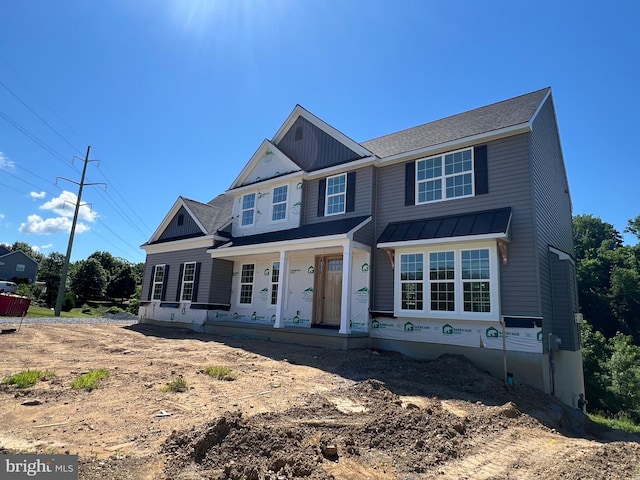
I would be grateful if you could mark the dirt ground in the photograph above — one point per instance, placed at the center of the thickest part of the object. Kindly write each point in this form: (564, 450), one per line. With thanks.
(292, 412)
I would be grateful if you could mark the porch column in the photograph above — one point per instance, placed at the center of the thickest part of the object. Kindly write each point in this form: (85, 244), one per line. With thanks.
(283, 282)
(345, 308)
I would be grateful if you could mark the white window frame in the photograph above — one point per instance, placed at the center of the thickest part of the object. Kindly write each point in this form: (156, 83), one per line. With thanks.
(342, 194)
(253, 210)
(157, 283)
(188, 281)
(443, 177)
(275, 281)
(458, 312)
(274, 204)
(250, 284)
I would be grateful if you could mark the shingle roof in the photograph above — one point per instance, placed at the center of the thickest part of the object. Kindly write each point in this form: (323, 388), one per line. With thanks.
(335, 227)
(213, 215)
(499, 115)
(475, 223)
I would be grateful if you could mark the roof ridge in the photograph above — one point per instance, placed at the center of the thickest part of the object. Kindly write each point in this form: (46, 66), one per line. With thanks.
(454, 115)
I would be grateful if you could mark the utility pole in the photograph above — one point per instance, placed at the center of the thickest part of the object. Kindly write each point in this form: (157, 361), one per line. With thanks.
(67, 259)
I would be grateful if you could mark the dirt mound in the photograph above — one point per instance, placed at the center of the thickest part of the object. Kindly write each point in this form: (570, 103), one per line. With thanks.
(386, 433)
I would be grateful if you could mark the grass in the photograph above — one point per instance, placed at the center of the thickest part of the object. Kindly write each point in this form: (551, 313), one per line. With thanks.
(220, 373)
(178, 384)
(28, 378)
(90, 380)
(620, 422)
(43, 312)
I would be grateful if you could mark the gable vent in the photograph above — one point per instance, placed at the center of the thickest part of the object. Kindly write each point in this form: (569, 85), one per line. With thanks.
(298, 135)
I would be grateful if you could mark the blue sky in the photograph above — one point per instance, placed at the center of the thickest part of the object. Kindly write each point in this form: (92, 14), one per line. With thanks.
(174, 96)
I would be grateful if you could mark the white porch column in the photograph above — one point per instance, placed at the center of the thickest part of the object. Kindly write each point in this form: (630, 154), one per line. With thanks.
(283, 282)
(345, 308)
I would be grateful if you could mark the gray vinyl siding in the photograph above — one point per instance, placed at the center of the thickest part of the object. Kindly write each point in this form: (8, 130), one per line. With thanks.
(220, 286)
(553, 222)
(510, 185)
(563, 301)
(188, 229)
(316, 149)
(9, 263)
(363, 198)
(174, 260)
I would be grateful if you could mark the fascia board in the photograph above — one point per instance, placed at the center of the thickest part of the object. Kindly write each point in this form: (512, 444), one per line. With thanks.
(266, 181)
(343, 167)
(289, 245)
(165, 221)
(455, 144)
(299, 111)
(179, 245)
(264, 147)
(440, 241)
(535, 114)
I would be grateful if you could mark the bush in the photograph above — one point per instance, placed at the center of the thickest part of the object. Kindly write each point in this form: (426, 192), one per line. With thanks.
(113, 310)
(134, 306)
(69, 302)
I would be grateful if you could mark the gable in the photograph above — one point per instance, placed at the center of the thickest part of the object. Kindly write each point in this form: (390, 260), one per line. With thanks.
(181, 226)
(268, 162)
(312, 148)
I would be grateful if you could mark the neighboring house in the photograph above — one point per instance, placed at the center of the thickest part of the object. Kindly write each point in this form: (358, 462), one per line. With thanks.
(450, 237)
(17, 265)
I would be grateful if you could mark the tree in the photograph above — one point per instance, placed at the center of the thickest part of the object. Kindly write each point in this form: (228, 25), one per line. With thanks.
(624, 371)
(591, 234)
(633, 226)
(89, 280)
(122, 284)
(49, 272)
(28, 249)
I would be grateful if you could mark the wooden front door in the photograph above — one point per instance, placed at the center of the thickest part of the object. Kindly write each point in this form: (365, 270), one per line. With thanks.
(328, 290)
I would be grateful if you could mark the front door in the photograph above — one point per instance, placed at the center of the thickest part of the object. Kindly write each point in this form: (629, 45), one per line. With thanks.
(328, 291)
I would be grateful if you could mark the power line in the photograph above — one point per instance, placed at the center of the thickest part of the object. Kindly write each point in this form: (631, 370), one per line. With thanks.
(41, 119)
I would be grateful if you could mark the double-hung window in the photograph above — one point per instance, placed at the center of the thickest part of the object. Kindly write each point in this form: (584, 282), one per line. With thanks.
(275, 278)
(445, 176)
(247, 216)
(158, 281)
(336, 197)
(459, 281)
(188, 281)
(279, 205)
(246, 284)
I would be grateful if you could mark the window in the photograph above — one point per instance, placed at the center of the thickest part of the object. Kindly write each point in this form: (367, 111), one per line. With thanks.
(246, 284)
(20, 267)
(441, 281)
(279, 211)
(445, 176)
(476, 276)
(411, 281)
(188, 281)
(275, 278)
(248, 209)
(460, 281)
(336, 194)
(158, 281)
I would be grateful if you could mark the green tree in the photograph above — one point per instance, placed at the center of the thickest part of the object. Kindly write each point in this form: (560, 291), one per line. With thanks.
(28, 249)
(624, 371)
(89, 280)
(49, 272)
(122, 284)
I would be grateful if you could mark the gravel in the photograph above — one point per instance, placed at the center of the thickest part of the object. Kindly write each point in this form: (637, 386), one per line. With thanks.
(119, 319)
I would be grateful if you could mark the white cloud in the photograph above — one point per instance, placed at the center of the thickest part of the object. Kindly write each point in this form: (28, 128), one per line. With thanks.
(37, 195)
(6, 164)
(65, 205)
(39, 248)
(39, 226)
